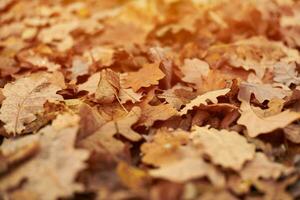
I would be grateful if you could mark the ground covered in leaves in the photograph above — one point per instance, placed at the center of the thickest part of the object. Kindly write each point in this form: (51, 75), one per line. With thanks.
(149, 99)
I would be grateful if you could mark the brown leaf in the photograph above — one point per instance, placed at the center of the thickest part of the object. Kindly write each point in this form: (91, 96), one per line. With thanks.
(188, 169)
(260, 91)
(165, 147)
(256, 125)
(225, 148)
(148, 75)
(193, 70)
(286, 74)
(25, 98)
(261, 167)
(54, 167)
(108, 86)
(202, 99)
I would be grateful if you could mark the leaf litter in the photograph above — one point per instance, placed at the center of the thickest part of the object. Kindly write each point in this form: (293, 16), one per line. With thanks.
(160, 99)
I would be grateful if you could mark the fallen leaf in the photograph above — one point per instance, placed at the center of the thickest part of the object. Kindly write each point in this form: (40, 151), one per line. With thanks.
(165, 147)
(148, 75)
(286, 73)
(188, 169)
(54, 168)
(256, 125)
(131, 176)
(261, 167)
(193, 70)
(261, 92)
(91, 84)
(202, 99)
(108, 86)
(25, 98)
(235, 150)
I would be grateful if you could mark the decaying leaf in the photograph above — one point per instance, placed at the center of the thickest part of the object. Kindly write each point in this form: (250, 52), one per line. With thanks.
(25, 98)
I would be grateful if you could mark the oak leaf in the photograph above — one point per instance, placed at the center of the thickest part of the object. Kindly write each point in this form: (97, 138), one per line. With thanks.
(202, 99)
(257, 125)
(261, 167)
(25, 98)
(286, 73)
(165, 147)
(148, 75)
(193, 70)
(51, 173)
(225, 148)
(261, 92)
(108, 86)
(188, 169)
(91, 84)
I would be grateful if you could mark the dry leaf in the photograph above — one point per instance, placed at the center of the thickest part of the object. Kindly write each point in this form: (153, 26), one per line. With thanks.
(25, 98)
(188, 169)
(165, 147)
(225, 148)
(292, 133)
(131, 177)
(91, 84)
(286, 74)
(193, 70)
(202, 99)
(150, 114)
(108, 86)
(261, 92)
(148, 75)
(261, 167)
(53, 168)
(256, 125)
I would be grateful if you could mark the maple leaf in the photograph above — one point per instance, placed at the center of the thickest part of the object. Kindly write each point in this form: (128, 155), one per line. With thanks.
(225, 148)
(202, 99)
(257, 125)
(25, 98)
(52, 171)
(148, 75)
(188, 169)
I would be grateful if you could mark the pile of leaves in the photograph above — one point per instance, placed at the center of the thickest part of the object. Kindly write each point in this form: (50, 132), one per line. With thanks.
(149, 99)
